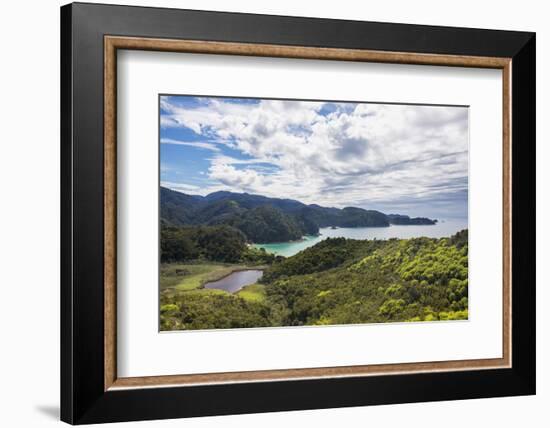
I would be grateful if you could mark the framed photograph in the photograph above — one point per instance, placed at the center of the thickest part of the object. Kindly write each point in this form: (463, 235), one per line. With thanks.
(266, 213)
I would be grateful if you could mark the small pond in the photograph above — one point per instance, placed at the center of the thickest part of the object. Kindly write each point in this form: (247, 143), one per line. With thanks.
(236, 280)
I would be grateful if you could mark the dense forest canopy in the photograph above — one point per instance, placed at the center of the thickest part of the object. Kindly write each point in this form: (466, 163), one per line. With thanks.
(337, 281)
(264, 220)
(220, 243)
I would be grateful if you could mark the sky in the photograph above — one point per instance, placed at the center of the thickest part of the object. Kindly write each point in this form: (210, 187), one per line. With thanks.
(405, 159)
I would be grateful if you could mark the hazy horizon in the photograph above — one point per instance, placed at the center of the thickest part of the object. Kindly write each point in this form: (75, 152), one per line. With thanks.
(397, 159)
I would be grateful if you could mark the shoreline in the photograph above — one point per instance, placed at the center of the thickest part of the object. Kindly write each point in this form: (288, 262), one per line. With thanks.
(224, 271)
(304, 238)
(236, 268)
(393, 231)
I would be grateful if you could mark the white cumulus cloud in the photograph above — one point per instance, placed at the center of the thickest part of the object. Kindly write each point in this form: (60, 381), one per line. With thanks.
(336, 154)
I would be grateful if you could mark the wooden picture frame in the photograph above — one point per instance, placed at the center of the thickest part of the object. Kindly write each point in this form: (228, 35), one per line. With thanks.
(91, 390)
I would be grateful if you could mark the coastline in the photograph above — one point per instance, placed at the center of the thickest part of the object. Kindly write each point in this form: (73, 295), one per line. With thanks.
(294, 241)
(304, 237)
(442, 228)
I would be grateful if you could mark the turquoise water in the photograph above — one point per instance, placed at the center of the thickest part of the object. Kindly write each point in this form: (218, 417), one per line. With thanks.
(442, 229)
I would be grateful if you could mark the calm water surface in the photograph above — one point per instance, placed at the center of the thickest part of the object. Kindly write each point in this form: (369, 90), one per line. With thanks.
(236, 280)
(443, 228)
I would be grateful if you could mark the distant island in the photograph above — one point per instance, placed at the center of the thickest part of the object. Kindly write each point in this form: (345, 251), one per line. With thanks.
(266, 220)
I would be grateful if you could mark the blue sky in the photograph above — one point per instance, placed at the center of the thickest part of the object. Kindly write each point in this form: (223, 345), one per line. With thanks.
(394, 158)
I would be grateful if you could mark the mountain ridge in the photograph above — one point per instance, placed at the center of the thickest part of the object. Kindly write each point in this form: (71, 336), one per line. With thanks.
(264, 219)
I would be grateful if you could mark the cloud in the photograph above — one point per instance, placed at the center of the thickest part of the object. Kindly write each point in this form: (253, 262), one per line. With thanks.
(197, 144)
(336, 154)
(182, 187)
(232, 177)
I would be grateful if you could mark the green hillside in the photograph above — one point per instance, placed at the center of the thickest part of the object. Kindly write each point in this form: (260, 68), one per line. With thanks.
(267, 220)
(338, 281)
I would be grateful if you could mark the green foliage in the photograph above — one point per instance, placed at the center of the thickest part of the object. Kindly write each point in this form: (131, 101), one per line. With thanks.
(393, 290)
(217, 243)
(459, 239)
(178, 208)
(327, 254)
(267, 224)
(456, 315)
(337, 281)
(220, 243)
(177, 244)
(209, 309)
(252, 293)
(267, 220)
(406, 220)
(391, 307)
(324, 293)
(358, 217)
(169, 317)
(169, 309)
(434, 262)
(258, 256)
(347, 281)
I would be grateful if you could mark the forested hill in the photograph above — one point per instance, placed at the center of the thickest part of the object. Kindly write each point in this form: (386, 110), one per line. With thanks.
(336, 281)
(263, 219)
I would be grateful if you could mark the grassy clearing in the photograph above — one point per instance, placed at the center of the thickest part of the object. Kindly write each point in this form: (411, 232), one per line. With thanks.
(186, 277)
(253, 293)
(202, 275)
(183, 297)
(192, 276)
(207, 292)
(172, 294)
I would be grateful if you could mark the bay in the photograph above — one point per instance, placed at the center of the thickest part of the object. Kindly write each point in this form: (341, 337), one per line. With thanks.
(443, 228)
